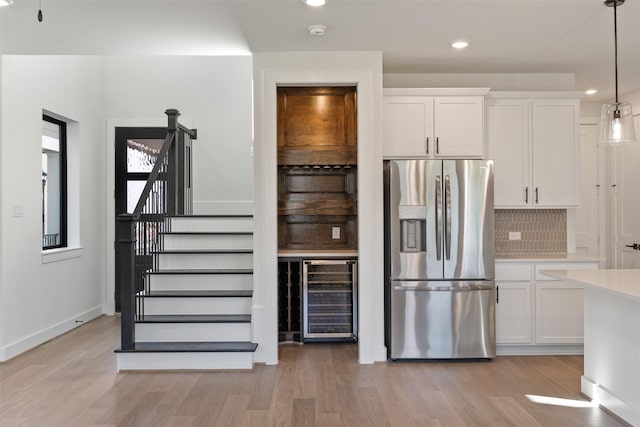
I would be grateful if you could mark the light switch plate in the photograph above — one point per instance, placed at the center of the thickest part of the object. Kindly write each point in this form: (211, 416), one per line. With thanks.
(515, 235)
(17, 211)
(335, 233)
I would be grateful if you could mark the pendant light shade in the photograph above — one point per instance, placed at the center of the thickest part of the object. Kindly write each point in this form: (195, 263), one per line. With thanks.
(616, 125)
(616, 119)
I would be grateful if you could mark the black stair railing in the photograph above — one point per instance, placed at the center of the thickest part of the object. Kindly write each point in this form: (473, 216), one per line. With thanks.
(138, 234)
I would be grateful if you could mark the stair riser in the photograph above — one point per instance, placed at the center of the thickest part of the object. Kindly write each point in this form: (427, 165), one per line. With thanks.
(205, 261)
(226, 241)
(199, 282)
(212, 224)
(184, 361)
(221, 305)
(167, 332)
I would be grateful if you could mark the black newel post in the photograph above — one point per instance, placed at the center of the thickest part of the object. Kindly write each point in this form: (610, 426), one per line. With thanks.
(125, 253)
(172, 166)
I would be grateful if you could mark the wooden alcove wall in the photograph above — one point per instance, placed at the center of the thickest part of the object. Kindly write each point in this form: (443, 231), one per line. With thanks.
(317, 168)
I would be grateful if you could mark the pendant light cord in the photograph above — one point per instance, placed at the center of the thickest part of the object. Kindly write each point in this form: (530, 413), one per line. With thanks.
(615, 40)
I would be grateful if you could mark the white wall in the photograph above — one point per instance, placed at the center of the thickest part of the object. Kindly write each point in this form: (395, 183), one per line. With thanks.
(363, 69)
(634, 99)
(214, 95)
(44, 295)
(3, 207)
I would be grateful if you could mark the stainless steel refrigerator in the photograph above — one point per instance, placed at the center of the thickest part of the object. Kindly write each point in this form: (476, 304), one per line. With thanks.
(439, 249)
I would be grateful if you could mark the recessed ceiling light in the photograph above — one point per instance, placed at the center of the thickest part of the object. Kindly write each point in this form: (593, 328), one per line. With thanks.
(591, 91)
(6, 3)
(315, 3)
(317, 30)
(460, 44)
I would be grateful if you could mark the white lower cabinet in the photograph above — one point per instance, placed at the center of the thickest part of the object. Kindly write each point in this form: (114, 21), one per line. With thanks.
(514, 324)
(559, 313)
(536, 314)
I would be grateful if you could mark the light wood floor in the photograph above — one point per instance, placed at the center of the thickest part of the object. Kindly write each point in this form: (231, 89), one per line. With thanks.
(72, 381)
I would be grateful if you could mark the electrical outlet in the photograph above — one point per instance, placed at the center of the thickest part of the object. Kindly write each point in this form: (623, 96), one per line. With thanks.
(17, 211)
(335, 233)
(515, 235)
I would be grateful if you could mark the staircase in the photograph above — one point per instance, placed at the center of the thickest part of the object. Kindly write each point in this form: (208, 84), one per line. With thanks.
(195, 310)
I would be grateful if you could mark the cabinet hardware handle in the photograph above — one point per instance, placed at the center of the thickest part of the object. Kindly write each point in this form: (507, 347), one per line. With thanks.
(427, 143)
(526, 194)
(437, 145)
(497, 294)
(536, 195)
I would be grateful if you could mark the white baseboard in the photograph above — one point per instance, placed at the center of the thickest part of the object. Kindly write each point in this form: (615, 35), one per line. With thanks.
(612, 403)
(223, 207)
(34, 340)
(539, 350)
(380, 354)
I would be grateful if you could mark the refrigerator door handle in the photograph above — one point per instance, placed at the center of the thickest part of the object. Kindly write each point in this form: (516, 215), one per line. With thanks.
(438, 218)
(447, 223)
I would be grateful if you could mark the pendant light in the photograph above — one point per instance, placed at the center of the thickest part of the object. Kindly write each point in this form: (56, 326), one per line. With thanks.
(616, 118)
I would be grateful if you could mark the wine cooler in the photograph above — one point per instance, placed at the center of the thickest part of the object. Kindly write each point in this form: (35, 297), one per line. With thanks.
(330, 300)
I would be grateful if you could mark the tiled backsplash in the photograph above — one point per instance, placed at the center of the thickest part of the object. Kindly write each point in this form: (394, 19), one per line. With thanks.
(542, 231)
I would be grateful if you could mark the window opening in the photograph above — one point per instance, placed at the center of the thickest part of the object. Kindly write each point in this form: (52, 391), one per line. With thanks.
(54, 183)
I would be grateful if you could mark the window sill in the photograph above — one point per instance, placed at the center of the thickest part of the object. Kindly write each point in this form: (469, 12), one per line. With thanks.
(55, 255)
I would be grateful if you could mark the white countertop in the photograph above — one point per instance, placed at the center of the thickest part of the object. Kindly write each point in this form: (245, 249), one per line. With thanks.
(623, 282)
(565, 257)
(310, 253)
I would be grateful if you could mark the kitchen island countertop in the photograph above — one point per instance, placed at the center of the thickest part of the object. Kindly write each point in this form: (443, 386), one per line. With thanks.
(623, 282)
(546, 257)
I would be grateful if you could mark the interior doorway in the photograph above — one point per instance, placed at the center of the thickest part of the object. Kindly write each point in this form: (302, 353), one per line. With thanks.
(136, 150)
(317, 166)
(626, 206)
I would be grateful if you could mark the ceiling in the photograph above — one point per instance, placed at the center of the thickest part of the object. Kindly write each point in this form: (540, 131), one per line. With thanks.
(414, 36)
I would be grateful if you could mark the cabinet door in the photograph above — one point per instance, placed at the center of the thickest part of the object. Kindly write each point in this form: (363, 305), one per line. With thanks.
(559, 313)
(513, 313)
(555, 152)
(508, 146)
(408, 126)
(459, 126)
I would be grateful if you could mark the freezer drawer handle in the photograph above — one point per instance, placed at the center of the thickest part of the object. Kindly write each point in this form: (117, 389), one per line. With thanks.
(436, 288)
(438, 218)
(447, 224)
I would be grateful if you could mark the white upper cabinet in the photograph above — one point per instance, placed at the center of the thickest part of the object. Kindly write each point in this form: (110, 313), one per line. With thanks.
(459, 130)
(408, 126)
(433, 126)
(535, 147)
(555, 140)
(508, 146)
